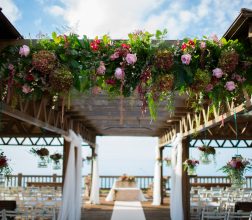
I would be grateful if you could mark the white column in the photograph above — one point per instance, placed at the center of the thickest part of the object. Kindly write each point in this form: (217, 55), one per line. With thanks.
(176, 204)
(95, 188)
(157, 176)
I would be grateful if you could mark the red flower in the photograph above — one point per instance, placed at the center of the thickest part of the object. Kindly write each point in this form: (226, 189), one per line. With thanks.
(127, 46)
(239, 165)
(30, 77)
(183, 46)
(94, 46)
(191, 43)
(111, 82)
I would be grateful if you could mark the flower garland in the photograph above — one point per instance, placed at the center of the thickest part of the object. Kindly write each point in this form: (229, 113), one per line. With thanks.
(210, 70)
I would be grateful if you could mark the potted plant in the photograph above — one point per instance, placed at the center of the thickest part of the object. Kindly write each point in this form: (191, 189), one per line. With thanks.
(43, 154)
(190, 165)
(206, 152)
(56, 157)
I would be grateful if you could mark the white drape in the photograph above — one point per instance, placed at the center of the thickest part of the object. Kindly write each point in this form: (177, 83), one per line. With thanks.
(71, 198)
(95, 189)
(176, 180)
(157, 176)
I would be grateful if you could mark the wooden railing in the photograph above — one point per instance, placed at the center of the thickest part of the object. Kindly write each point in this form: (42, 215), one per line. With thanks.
(106, 182)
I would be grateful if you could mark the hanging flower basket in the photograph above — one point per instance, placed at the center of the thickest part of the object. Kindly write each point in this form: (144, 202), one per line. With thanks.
(190, 165)
(235, 170)
(56, 160)
(43, 154)
(207, 154)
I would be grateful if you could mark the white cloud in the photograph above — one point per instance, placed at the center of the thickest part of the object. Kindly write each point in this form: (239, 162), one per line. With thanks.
(119, 17)
(10, 10)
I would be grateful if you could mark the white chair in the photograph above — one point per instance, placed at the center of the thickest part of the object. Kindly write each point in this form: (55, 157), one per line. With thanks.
(15, 215)
(43, 214)
(239, 215)
(214, 215)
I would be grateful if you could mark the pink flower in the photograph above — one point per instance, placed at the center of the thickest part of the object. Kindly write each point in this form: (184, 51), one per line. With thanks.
(215, 38)
(183, 46)
(217, 72)
(186, 59)
(131, 58)
(11, 67)
(202, 45)
(101, 69)
(26, 89)
(114, 56)
(24, 51)
(96, 90)
(209, 88)
(111, 82)
(238, 78)
(119, 73)
(232, 163)
(230, 86)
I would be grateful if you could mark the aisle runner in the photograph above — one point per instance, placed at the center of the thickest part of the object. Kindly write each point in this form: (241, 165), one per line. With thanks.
(128, 211)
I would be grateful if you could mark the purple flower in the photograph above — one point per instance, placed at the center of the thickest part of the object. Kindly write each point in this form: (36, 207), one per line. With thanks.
(238, 78)
(114, 56)
(24, 51)
(230, 86)
(202, 45)
(119, 73)
(131, 58)
(209, 88)
(217, 72)
(186, 59)
(101, 69)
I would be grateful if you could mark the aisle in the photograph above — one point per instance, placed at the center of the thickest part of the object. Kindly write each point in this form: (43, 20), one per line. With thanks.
(124, 210)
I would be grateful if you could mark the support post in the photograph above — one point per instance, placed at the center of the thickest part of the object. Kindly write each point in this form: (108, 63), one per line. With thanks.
(20, 175)
(92, 164)
(161, 176)
(185, 180)
(66, 149)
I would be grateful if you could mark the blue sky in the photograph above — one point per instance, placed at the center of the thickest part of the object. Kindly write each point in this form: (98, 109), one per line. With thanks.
(119, 17)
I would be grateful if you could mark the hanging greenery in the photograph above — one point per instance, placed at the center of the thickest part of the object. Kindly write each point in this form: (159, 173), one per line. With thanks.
(210, 71)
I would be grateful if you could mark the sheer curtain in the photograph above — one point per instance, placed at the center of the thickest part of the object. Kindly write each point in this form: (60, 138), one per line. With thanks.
(71, 198)
(157, 183)
(176, 180)
(95, 194)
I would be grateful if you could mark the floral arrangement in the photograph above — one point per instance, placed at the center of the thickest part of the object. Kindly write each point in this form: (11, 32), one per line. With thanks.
(56, 157)
(4, 166)
(42, 152)
(125, 178)
(236, 168)
(209, 70)
(207, 149)
(190, 165)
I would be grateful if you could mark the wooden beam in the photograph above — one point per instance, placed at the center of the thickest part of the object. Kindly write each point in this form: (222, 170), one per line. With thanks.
(29, 119)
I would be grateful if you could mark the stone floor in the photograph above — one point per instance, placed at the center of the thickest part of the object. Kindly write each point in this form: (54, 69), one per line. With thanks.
(105, 209)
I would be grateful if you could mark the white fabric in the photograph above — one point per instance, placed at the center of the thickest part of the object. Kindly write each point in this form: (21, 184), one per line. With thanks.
(125, 194)
(127, 210)
(95, 188)
(71, 198)
(176, 204)
(157, 177)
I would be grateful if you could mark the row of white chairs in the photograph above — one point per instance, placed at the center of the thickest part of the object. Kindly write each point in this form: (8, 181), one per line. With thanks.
(205, 215)
(41, 214)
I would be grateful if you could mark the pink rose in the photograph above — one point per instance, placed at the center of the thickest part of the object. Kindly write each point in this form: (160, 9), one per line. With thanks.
(232, 163)
(26, 89)
(186, 59)
(230, 86)
(114, 56)
(209, 88)
(215, 38)
(202, 45)
(101, 69)
(217, 72)
(24, 51)
(131, 58)
(119, 73)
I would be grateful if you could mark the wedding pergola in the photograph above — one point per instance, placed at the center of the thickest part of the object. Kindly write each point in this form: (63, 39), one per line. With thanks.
(99, 115)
